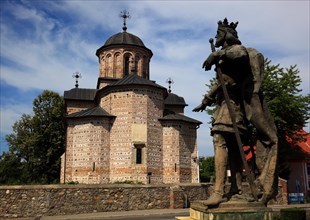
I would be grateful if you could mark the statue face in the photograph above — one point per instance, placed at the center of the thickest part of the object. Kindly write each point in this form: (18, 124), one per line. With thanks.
(220, 38)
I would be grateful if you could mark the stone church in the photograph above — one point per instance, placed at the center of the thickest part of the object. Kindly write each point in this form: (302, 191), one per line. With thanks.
(129, 128)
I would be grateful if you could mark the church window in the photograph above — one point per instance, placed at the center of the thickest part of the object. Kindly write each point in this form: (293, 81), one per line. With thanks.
(126, 65)
(117, 65)
(139, 156)
(138, 153)
(108, 65)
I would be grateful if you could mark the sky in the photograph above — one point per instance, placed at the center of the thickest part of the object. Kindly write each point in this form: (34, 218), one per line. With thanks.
(42, 43)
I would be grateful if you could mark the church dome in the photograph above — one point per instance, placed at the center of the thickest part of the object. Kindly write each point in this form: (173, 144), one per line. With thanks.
(173, 99)
(124, 38)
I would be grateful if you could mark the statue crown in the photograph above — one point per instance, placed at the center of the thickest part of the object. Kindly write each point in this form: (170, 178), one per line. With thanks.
(225, 25)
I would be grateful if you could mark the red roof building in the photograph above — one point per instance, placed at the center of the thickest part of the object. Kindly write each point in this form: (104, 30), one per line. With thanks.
(299, 179)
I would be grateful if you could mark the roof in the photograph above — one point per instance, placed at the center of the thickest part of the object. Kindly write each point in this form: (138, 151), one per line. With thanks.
(91, 112)
(305, 144)
(172, 116)
(173, 99)
(80, 94)
(123, 38)
(130, 80)
(134, 79)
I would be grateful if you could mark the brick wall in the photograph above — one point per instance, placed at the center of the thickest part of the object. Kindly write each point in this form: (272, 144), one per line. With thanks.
(188, 154)
(136, 126)
(179, 153)
(76, 106)
(171, 151)
(112, 61)
(87, 155)
(155, 108)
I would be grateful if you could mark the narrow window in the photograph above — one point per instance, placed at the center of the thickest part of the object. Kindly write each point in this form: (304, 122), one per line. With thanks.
(138, 155)
(126, 69)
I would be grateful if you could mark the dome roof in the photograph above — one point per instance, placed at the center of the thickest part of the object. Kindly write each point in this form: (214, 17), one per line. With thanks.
(173, 99)
(124, 38)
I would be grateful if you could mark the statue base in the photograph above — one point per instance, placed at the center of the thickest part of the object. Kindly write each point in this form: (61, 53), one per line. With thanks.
(231, 210)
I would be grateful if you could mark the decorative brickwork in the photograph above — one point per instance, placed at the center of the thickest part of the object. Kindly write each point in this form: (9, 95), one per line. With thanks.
(76, 106)
(129, 128)
(87, 155)
(180, 153)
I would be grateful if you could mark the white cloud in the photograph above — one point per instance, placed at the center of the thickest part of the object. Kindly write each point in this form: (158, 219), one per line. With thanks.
(62, 37)
(10, 114)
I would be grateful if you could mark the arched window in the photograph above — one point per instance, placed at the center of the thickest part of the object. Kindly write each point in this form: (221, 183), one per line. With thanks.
(108, 66)
(145, 67)
(126, 64)
(117, 65)
(138, 65)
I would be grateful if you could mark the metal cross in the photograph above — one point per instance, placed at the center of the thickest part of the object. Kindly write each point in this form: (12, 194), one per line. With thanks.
(77, 75)
(124, 14)
(169, 81)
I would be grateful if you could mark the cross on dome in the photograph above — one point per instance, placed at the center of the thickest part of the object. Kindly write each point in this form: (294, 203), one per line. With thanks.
(124, 14)
(77, 75)
(169, 81)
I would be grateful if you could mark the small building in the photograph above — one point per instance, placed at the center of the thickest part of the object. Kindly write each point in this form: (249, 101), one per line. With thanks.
(128, 128)
(299, 164)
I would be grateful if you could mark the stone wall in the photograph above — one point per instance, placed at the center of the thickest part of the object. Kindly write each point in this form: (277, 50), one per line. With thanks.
(49, 200)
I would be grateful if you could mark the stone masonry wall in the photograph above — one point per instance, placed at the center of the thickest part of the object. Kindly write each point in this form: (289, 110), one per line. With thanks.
(49, 200)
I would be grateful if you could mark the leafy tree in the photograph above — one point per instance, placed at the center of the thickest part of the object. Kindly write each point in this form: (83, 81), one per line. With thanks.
(36, 144)
(207, 169)
(289, 108)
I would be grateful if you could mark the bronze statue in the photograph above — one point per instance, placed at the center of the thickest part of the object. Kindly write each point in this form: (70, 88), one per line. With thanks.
(239, 102)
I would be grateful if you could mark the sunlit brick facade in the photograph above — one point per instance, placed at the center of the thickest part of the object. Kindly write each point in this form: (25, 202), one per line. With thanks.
(129, 128)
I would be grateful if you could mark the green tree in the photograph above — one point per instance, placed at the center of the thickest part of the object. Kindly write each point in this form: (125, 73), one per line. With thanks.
(206, 168)
(290, 109)
(36, 144)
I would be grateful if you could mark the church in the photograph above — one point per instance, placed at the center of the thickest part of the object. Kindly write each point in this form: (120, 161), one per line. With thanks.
(128, 128)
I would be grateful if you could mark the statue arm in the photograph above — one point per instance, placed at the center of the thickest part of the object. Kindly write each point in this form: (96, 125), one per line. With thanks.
(212, 59)
(208, 98)
(258, 72)
(236, 52)
(256, 76)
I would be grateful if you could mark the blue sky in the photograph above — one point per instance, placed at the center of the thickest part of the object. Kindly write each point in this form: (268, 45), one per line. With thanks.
(44, 42)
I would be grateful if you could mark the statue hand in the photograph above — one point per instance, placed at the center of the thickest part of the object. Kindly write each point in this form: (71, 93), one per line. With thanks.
(199, 108)
(210, 61)
(206, 65)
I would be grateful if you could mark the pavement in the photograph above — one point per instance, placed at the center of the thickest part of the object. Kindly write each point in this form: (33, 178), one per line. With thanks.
(135, 214)
(144, 214)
